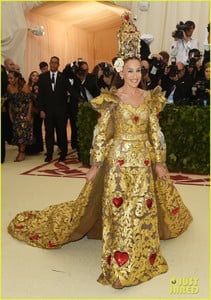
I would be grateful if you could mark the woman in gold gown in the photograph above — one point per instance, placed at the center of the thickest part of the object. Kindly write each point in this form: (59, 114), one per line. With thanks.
(128, 188)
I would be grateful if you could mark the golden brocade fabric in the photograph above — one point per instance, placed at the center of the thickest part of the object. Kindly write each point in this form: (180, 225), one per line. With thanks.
(136, 208)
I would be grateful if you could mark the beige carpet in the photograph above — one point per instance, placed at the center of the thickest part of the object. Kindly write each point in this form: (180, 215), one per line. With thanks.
(72, 168)
(71, 272)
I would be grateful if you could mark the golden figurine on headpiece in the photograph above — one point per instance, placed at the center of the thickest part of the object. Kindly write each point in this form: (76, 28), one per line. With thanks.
(129, 38)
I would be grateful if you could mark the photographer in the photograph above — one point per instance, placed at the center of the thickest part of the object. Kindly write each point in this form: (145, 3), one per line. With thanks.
(201, 89)
(177, 84)
(83, 88)
(158, 63)
(183, 41)
(104, 74)
(194, 67)
(148, 81)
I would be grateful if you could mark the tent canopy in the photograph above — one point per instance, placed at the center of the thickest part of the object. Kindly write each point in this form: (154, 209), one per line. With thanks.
(92, 16)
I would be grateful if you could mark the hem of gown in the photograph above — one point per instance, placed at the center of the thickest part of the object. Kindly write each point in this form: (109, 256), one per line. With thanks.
(124, 283)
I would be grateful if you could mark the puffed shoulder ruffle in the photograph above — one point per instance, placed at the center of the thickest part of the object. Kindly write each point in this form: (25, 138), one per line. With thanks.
(106, 100)
(156, 99)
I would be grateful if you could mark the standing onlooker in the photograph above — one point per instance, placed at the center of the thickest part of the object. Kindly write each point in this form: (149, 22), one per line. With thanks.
(201, 89)
(9, 65)
(37, 145)
(52, 99)
(43, 65)
(183, 41)
(20, 112)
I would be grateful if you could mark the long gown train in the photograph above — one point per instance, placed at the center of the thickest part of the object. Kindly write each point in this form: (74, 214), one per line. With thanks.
(134, 207)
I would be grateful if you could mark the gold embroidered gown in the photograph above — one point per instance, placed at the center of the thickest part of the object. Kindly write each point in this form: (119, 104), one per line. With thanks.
(136, 208)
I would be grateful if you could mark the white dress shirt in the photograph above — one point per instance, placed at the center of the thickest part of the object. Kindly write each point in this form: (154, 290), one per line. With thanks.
(55, 75)
(181, 48)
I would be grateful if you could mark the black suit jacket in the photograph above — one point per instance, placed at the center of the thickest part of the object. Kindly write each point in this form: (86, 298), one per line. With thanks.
(53, 101)
(4, 80)
(182, 90)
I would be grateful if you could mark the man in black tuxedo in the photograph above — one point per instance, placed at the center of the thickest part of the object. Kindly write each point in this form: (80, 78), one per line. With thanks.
(52, 97)
(83, 88)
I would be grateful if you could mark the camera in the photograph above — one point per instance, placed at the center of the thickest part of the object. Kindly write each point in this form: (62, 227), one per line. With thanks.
(178, 33)
(107, 69)
(199, 89)
(194, 56)
(144, 71)
(172, 69)
(192, 63)
(156, 66)
(201, 86)
(71, 69)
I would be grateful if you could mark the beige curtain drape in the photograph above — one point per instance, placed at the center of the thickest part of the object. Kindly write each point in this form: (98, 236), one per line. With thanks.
(162, 16)
(70, 43)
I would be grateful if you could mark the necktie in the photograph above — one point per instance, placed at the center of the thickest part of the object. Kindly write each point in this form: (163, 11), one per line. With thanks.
(53, 81)
(53, 78)
(83, 92)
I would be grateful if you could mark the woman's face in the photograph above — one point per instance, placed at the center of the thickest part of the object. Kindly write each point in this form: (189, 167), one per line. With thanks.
(207, 73)
(131, 72)
(12, 79)
(34, 77)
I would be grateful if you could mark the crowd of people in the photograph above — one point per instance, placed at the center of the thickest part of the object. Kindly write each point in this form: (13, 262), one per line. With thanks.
(52, 97)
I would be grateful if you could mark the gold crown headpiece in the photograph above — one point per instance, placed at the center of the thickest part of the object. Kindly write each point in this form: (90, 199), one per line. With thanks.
(129, 38)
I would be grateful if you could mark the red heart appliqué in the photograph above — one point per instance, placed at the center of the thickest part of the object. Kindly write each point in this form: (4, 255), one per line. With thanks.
(136, 118)
(19, 227)
(51, 245)
(146, 162)
(34, 237)
(117, 201)
(120, 162)
(149, 203)
(152, 258)
(121, 257)
(175, 211)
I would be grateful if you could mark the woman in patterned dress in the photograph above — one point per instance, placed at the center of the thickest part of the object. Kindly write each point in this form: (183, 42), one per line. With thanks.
(37, 145)
(20, 112)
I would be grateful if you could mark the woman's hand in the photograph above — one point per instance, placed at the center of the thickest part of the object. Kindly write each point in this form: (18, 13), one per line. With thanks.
(29, 117)
(42, 114)
(160, 171)
(91, 174)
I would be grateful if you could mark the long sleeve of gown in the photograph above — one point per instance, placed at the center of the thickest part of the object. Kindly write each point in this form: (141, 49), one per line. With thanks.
(104, 104)
(156, 102)
(154, 129)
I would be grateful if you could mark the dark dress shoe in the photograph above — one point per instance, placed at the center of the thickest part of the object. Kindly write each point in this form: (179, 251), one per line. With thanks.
(62, 158)
(48, 159)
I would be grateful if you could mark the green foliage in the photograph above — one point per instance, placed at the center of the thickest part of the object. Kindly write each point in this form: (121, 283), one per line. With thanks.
(186, 130)
(187, 133)
(86, 121)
